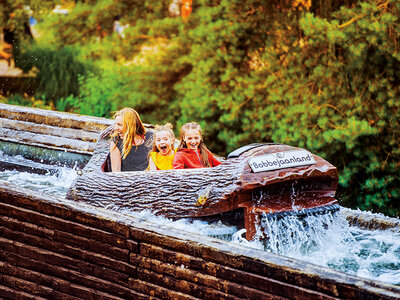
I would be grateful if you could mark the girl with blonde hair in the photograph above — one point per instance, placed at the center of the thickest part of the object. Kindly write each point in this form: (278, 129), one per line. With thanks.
(162, 156)
(130, 142)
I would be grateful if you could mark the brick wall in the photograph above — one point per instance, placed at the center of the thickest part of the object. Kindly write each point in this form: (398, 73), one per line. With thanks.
(53, 248)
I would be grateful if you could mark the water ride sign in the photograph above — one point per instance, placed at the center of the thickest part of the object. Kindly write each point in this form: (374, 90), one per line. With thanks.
(281, 160)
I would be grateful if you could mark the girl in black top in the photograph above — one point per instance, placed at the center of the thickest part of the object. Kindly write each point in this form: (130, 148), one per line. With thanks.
(130, 143)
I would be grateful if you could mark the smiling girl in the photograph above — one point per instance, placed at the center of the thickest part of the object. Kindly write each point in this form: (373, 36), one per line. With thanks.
(130, 142)
(192, 152)
(162, 156)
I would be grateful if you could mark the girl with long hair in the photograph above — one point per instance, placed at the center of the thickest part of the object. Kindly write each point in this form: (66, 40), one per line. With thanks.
(192, 152)
(130, 142)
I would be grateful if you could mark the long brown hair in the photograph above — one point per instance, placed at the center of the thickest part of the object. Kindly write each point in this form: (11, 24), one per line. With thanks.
(134, 126)
(202, 146)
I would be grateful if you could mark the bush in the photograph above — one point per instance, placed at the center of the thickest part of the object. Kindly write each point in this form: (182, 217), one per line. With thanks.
(258, 71)
(98, 96)
(57, 71)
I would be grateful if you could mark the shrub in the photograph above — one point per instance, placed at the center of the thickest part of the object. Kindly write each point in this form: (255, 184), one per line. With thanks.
(57, 71)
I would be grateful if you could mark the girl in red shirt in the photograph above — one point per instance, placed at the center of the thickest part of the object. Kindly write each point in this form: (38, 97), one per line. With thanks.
(192, 152)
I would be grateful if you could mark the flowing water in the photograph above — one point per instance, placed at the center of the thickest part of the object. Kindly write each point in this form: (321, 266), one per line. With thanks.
(328, 240)
(53, 180)
(325, 240)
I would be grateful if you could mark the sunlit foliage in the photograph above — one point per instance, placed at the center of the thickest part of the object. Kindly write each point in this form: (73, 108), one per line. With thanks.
(322, 75)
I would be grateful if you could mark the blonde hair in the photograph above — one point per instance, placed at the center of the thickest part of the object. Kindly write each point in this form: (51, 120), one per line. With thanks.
(202, 146)
(160, 128)
(133, 125)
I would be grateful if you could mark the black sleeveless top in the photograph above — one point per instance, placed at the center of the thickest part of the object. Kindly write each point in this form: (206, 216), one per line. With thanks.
(138, 158)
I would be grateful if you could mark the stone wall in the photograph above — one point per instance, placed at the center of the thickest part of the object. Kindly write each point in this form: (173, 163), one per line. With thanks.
(54, 248)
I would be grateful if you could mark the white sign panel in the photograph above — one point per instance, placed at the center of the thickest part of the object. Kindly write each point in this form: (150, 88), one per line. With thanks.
(281, 160)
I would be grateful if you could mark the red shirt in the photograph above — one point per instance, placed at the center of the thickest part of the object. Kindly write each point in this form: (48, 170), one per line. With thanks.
(189, 159)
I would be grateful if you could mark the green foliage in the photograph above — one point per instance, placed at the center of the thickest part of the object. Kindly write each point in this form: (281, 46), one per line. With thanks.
(99, 95)
(58, 71)
(14, 15)
(327, 79)
(25, 100)
(19, 100)
(356, 70)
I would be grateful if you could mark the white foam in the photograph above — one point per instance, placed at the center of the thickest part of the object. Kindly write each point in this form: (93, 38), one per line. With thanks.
(325, 240)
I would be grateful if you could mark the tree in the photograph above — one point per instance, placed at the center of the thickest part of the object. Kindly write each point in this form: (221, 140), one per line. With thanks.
(323, 75)
(14, 17)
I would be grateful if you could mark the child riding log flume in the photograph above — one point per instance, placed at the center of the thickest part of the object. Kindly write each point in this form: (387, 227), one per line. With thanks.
(162, 156)
(192, 152)
(130, 142)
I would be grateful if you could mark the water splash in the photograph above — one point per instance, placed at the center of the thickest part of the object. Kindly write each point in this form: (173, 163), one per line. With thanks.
(378, 255)
(325, 240)
(55, 180)
(56, 183)
(215, 229)
(329, 241)
(303, 236)
(293, 195)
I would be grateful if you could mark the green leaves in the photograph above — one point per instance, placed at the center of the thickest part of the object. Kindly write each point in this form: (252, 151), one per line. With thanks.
(58, 71)
(248, 71)
(350, 130)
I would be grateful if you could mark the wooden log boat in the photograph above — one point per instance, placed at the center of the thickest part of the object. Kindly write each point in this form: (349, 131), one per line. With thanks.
(252, 182)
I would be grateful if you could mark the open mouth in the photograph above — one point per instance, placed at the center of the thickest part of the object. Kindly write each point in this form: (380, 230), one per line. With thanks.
(164, 148)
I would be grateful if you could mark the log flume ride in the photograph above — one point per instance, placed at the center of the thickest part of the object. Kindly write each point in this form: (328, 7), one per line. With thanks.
(253, 182)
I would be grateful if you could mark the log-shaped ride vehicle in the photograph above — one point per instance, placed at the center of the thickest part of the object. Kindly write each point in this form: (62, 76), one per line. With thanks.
(253, 182)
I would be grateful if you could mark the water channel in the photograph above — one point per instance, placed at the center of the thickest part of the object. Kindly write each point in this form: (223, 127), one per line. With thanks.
(325, 240)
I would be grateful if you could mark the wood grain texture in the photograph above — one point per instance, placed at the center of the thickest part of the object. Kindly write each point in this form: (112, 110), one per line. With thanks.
(54, 118)
(174, 193)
